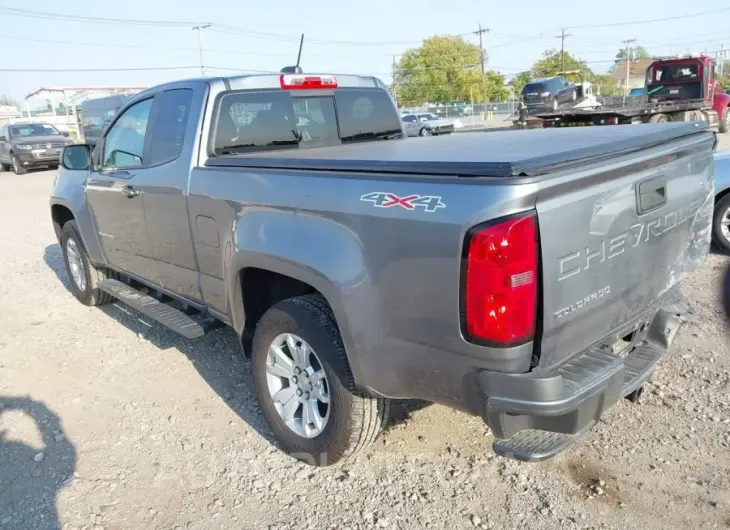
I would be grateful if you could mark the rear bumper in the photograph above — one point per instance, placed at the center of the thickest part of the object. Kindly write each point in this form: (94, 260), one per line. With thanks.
(536, 415)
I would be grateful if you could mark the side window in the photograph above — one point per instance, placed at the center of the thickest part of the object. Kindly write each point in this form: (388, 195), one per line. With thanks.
(124, 143)
(168, 128)
(410, 119)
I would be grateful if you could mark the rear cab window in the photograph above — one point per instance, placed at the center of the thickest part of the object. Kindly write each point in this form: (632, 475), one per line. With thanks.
(250, 121)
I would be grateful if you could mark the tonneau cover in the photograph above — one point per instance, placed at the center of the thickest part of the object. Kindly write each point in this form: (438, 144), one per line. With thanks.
(488, 154)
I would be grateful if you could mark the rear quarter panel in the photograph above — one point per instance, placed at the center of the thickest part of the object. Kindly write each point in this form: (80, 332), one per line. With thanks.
(722, 173)
(391, 274)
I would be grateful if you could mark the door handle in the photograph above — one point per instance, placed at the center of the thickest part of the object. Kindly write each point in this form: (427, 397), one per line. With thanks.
(130, 191)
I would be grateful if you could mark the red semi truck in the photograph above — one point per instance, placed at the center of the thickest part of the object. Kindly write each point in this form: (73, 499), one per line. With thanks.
(679, 89)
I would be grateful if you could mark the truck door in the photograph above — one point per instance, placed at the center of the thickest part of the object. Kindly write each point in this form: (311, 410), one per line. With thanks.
(173, 141)
(115, 195)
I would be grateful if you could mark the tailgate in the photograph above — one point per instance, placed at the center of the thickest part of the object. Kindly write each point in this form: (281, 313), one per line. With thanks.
(616, 238)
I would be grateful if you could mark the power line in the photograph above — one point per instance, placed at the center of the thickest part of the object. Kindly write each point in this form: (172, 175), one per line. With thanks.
(652, 20)
(95, 69)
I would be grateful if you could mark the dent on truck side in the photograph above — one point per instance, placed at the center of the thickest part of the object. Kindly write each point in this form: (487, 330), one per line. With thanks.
(314, 250)
(69, 193)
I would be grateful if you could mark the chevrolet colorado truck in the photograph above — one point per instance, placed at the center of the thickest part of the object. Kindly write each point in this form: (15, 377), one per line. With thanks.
(528, 277)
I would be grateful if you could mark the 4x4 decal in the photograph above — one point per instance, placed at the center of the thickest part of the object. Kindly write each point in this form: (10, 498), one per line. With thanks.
(380, 199)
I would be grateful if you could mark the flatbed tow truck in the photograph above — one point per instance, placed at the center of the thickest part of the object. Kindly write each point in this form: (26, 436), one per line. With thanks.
(678, 89)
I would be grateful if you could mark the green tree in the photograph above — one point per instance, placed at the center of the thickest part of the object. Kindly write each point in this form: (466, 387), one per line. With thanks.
(519, 81)
(635, 53)
(554, 61)
(444, 69)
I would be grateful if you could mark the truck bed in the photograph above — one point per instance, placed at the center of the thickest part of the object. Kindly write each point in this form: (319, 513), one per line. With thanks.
(498, 154)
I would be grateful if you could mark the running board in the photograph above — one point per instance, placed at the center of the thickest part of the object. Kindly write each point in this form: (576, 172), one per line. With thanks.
(166, 315)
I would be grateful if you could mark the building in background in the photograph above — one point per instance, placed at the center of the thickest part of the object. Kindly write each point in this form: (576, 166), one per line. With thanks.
(637, 73)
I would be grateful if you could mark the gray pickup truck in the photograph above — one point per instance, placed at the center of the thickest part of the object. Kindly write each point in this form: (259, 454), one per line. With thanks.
(528, 277)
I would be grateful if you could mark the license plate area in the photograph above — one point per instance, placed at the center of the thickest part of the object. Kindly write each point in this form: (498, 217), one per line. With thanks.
(629, 338)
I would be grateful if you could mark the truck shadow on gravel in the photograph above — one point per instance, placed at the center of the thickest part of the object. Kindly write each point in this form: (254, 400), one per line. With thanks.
(30, 477)
(54, 259)
(216, 356)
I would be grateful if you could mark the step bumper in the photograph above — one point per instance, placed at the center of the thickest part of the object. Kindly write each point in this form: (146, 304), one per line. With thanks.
(536, 415)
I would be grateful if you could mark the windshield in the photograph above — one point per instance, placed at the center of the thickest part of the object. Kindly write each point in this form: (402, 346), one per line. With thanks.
(428, 117)
(534, 88)
(33, 129)
(251, 121)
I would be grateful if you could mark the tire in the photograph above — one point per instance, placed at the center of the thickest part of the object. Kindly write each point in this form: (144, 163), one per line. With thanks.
(722, 212)
(725, 123)
(353, 420)
(659, 118)
(425, 131)
(17, 168)
(89, 293)
(574, 96)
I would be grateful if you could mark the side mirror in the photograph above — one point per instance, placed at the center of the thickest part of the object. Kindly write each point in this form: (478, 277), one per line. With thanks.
(76, 157)
(3, 139)
(65, 133)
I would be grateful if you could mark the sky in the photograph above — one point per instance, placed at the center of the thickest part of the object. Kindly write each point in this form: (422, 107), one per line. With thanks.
(339, 36)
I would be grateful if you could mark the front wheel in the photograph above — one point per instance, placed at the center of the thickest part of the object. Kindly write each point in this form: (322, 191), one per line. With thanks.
(305, 387)
(725, 122)
(18, 169)
(425, 131)
(721, 224)
(83, 276)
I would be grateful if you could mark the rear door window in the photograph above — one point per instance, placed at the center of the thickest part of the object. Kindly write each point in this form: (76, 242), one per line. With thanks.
(250, 121)
(169, 125)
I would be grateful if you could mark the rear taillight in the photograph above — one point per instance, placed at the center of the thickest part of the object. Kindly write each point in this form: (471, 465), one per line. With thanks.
(304, 82)
(500, 283)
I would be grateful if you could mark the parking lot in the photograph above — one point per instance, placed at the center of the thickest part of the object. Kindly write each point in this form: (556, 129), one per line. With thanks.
(109, 422)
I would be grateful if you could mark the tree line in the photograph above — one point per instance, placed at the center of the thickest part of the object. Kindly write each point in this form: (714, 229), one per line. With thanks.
(447, 69)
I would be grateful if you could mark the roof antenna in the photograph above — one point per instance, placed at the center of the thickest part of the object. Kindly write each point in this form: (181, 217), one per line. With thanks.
(296, 69)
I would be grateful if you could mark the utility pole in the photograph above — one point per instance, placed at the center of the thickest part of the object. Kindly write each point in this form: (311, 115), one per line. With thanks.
(483, 61)
(722, 58)
(200, 44)
(562, 48)
(628, 44)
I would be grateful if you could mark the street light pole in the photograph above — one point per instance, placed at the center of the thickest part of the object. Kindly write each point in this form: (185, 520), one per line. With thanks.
(200, 29)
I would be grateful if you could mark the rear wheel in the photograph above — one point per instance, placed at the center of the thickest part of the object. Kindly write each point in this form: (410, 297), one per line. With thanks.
(83, 276)
(18, 169)
(659, 118)
(721, 224)
(725, 122)
(305, 387)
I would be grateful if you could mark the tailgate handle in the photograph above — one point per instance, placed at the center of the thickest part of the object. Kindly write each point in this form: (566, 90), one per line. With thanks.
(651, 194)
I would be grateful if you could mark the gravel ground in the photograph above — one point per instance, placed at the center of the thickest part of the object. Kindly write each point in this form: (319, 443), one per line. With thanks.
(108, 422)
